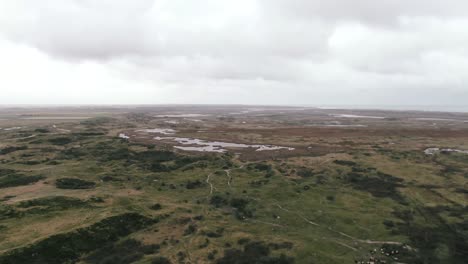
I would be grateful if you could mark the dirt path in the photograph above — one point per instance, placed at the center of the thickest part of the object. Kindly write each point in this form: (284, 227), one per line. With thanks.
(208, 181)
(298, 214)
(266, 223)
(228, 173)
(365, 241)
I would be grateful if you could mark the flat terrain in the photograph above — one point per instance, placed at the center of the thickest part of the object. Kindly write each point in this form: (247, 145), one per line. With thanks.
(232, 184)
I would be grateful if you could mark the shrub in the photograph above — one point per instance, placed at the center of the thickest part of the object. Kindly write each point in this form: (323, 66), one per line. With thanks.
(305, 172)
(254, 252)
(69, 247)
(60, 141)
(7, 211)
(10, 178)
(283, 245)
(8, 150)
(128, 251)
(160, 260)
(190, 230)
(214, 234)
(73, 183)
(56, 203)
(42, 130)
(345, 162)
(389, 223)
(193, 184)
(243, 241)
(218, 201)
(240, 204)
(156, 207)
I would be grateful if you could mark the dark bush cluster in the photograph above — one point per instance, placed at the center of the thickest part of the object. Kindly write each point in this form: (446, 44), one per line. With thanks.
(73, 183)
(69, 247)
(60, 141)
(239, 205)
(42, 130)
(428, 238)
(214, 234)
(11, 178)
(305, 172)
(193, 184)
(253, 253)
(241, 209)
(8, 150)
(7, 211)
(71, 153)
(128, 251)
(218, 201)
(377, 183)
(160, 260)
(48, 204)
(191, 229)
(345, 162)
(156, 207)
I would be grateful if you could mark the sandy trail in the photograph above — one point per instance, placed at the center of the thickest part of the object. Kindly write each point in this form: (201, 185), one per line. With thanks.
(208, 181)
(365, 241)
(228, 173)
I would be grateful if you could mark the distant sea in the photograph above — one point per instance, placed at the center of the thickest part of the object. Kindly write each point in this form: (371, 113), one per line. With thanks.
(431, 108)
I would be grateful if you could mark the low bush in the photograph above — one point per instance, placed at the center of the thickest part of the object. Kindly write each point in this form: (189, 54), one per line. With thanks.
(214, 234)
(191, 229)
(73, 183)
(11, 178)
(156, 207)
(218, 201)
(345, 162)
(69, 247)
(41, 130)
(193, 184)
(60, 141)
(253, 252)
(128, 251)
(47, 204)
(160, 260)
(8, 150)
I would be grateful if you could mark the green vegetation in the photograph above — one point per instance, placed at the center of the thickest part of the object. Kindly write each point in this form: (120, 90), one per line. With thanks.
(73, 183)
(42, 206)
(61, 141)
(160, 260)
(11, 178)
(11, 149)
(128, 251)
(54, 203)
(377, 183)
(342, 196)
(68, 247)
(253, 252)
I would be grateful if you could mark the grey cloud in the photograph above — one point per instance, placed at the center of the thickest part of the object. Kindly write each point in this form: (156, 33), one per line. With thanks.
(368, 11)
(296, 51)
(83, 29)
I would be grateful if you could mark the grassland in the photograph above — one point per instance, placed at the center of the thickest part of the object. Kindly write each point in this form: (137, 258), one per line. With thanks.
(72, 191)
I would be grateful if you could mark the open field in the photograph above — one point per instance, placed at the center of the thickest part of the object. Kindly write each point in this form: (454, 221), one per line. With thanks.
(232, 184)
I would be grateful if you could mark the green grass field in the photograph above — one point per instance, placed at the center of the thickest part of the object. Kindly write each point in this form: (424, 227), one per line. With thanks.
(87, 196)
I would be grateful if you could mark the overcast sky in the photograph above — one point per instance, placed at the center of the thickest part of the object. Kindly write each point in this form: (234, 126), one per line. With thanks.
(389, 52)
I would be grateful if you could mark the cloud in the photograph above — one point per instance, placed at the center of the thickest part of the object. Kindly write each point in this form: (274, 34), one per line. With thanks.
(245, 51)
(366, 11)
